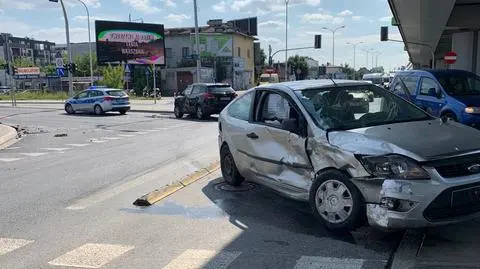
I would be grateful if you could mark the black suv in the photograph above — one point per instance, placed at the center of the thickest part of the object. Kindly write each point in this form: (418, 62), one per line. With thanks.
(203, 99)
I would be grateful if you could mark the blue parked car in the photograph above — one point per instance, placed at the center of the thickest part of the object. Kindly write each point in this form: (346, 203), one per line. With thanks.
(451, 94)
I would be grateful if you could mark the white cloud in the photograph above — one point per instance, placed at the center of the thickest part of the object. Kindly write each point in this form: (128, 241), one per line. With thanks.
(179, 18)
(321, 18)
(385, 19)
(95, 18)
(261, 12)
(220, 7)
(271, 24)
(170, 3)
(358, 18)
(187, 1)
(142, 6)
(239, 5)
(345, 13)
(91, 3)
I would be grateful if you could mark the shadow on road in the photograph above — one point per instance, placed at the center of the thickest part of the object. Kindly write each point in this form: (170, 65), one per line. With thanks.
(193, 118)
(107, 114)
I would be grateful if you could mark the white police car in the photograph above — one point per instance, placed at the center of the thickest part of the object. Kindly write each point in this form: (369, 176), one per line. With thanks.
(98, 100)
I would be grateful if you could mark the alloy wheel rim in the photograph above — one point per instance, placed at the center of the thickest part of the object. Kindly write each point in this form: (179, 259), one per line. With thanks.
(334, 201)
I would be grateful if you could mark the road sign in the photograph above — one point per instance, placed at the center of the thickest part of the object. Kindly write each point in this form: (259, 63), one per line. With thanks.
(59, 62)
(58, 54)
(450, 57)
(60, 72)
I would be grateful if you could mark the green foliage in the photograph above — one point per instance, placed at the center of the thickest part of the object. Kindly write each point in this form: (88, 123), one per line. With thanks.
(298, 62)
(378, 69)
(49, 69)
(113, 76)
(83, 66)
(37, 95)
(22, 62)
(349, 71)
(263, 58)
(362, 71)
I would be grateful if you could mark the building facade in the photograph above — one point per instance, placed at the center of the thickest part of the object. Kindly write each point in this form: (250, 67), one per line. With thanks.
(78, 49)
(41, 53)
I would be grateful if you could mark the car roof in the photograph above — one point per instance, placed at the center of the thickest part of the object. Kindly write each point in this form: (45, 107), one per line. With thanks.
(212, 84)
(434, 72)
(314, 84)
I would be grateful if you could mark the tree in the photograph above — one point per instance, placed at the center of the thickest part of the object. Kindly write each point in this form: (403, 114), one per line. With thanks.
(362, 71)
(48, 69)
(22, 62)
(298, 63)
(378, 69)
(113, 77)
(263, 58)
(348, 71)
(82, 63)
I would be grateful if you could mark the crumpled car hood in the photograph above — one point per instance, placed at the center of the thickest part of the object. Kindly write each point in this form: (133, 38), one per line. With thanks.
(422, 140)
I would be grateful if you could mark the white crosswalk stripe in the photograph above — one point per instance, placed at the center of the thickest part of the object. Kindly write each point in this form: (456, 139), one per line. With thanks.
(126, 135)
(96, 141)
(34, 154)
(9, 160)
(142, 133)
(317, 262)
(111, 138)
(10, 244)
(200, 258)
(56, 149)
(77, 145)
(91, 255)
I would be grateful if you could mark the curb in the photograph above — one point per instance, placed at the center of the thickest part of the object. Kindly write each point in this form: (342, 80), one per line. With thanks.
(157, 195)
(151, 111)
(8, 134)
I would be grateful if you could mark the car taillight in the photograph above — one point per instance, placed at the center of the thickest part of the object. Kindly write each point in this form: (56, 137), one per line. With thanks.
(108, 98)
(208, 95)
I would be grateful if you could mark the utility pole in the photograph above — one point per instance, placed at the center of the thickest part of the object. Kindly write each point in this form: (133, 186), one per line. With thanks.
(354, 56)
(10, 69)
(286, 40)
(69, 48)
(197, 40)
(154, 83)
(89, 42)
(333, 40)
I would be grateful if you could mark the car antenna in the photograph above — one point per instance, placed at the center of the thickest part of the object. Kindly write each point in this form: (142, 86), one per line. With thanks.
(334, 83)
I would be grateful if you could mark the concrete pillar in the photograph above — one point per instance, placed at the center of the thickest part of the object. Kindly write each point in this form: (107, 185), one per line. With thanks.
(462, 44)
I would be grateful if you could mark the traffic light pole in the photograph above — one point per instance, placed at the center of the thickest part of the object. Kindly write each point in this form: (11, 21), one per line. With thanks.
(10, 71)
(69, 48)
(270, 57)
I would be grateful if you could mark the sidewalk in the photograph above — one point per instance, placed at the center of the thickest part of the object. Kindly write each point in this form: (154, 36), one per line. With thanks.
(164, 105)
(7, 135)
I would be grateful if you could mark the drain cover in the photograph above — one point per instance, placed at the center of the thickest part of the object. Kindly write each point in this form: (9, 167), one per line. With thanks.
(246, 186)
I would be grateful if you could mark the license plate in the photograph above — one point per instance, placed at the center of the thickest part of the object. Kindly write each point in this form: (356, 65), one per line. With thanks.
(225, 98)
(470, 196)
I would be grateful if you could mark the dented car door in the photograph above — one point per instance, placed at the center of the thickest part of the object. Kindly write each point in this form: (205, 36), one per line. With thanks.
(276, 146)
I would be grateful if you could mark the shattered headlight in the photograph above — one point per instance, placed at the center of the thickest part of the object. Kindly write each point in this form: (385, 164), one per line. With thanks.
(393, 167)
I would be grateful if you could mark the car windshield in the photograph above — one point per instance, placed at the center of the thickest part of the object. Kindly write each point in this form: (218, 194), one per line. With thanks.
(352, 107)
(118, 93)
(267, 79)
(460, 84)
(218, 89)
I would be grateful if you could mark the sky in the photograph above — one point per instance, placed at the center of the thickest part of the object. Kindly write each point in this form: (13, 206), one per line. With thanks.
(43, 20)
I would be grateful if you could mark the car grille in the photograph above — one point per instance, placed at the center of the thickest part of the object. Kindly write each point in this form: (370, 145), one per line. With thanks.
(458, 166)
(454, 202)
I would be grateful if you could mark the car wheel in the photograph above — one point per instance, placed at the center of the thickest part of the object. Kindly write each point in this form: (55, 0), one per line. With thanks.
(178, 112)
(336, 202)
(229, 169)
(449, 116)
(200, 113)
(98, 110)
(69, 109)
(123, 112)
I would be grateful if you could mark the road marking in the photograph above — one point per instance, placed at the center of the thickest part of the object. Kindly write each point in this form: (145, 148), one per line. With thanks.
(317, 262)
(97, 141)
(77, 145)
(9, 160)
(91, 255)
(198, 258)
(10, 244)
(126, 135)
(56, 149)
(34, 154)
(142, 133)
(13, 148)
(111, 138)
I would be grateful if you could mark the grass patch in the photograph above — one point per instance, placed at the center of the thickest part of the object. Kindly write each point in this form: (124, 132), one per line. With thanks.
(37, 96)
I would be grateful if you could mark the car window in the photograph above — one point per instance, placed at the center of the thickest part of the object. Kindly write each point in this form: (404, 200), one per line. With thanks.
(118, 93)
(188, 90)
(349, 107)
(427, 84)
(410, 82)
(240, 108)
(82, 95)
(197, 89)
(275, 109)
(460, 83)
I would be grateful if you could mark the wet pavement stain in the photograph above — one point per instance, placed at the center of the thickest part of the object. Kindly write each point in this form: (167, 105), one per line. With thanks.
(173, 209)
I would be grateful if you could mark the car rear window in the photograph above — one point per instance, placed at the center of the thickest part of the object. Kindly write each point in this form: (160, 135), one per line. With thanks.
(116, 93)
(217, 89)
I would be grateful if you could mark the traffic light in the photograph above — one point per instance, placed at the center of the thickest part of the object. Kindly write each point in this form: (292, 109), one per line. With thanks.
(70, 67)
(318, 41)
(384, 33)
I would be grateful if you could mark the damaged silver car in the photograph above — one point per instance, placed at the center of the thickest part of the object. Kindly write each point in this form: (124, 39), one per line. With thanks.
(379, 159)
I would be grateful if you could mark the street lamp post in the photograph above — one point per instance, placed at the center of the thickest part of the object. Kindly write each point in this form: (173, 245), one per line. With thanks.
(333, 43)
(69, 48)
(197, 40)
(89, 42)
(367, 52)
(354, 52)
(286, 39)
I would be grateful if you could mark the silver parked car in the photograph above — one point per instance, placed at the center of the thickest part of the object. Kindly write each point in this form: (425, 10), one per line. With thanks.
(99, 100)
(387, 162)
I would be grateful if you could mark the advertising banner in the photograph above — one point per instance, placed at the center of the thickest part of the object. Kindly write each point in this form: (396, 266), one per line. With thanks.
(135, 43)
(214, 45)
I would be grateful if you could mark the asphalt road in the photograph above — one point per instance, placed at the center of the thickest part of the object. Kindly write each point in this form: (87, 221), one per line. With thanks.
(66, 193)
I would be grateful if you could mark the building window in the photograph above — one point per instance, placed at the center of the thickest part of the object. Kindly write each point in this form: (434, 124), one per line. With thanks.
(248, 53)
(185, 52)
(168, 52)
(238, 52)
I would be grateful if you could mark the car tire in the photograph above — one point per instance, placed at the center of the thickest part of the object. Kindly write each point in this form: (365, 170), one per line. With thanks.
(97, 109)
(178, 112)
(200, 113)
(69, 109)
(336, 202)
(228, 167)
(449, 116)
(123, 112)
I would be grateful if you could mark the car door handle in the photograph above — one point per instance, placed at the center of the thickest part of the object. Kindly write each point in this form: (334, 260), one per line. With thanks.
(252, 135)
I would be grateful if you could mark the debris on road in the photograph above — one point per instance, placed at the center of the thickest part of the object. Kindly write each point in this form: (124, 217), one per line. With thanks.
(61, 135)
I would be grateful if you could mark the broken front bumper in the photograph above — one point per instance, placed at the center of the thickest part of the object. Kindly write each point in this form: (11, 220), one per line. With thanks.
(423, 203)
